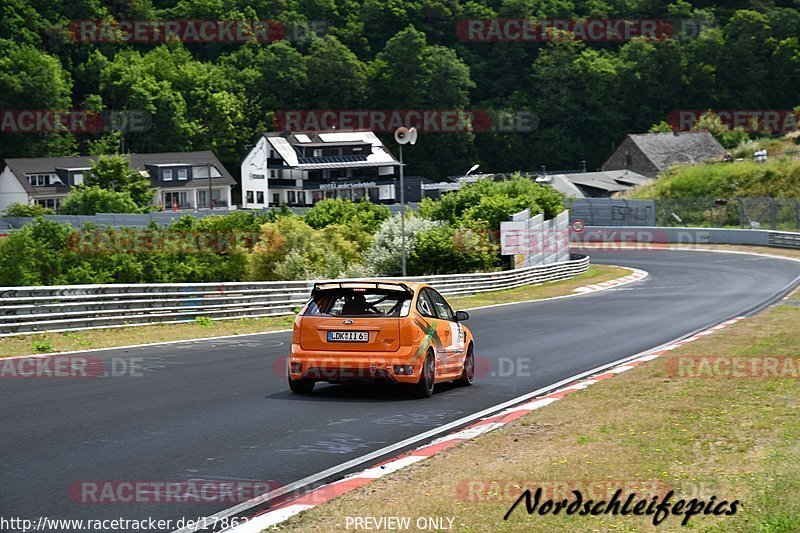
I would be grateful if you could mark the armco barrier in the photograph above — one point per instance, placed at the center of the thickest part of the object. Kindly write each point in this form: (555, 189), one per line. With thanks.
(25, 310)
(645, 234)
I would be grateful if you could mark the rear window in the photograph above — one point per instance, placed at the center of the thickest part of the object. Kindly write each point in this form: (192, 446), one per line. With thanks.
(359, 303)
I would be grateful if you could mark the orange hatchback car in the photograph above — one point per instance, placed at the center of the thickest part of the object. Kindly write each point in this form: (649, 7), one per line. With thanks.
(368, 331)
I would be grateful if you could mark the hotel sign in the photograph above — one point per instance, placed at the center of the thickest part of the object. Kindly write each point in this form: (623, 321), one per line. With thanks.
(348, 185)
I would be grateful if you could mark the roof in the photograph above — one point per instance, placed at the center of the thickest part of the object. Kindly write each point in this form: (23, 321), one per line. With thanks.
(576, 184)
(41, 165)
(666, 149)
(289, 147)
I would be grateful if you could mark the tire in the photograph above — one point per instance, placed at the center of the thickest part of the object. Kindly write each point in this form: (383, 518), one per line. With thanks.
(427, 378)
(468, 372)
(301, 386)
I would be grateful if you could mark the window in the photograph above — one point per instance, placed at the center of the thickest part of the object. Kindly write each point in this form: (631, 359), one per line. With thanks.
(441, 307)
(175, 199)
(260, 197)
(628, 160)
(39, 180)
(77, 178)
(52, 203)
(258, 176)
(292, 197)
(276, 198)
(183, 174)
(216, 198)
(273, 173)
(301, 197)
(167, 175)
(317, 152)
(250, 197)
(424, 306)
(360, 302)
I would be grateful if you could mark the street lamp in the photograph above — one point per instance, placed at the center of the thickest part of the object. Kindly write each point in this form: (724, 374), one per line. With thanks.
(472, 169)
(403, 136)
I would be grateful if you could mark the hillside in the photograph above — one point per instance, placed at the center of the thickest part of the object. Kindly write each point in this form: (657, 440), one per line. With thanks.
(568, 101)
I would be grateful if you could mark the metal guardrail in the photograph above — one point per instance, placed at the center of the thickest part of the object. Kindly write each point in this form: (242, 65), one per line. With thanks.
(682, 235)
(784, 239)
(26, 310)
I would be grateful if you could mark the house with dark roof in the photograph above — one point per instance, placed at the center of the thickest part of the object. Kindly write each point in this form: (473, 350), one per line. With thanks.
(302, 168)
(181, 178)
(651, 153)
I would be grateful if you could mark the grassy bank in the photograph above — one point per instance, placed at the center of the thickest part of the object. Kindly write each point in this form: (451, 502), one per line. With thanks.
(650, 430)
(778, 178)
(107, 338)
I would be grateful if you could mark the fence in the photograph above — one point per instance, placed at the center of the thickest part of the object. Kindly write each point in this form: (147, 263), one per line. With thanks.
(742, 213)
(25, 310)
(613, 212)
(162, 218)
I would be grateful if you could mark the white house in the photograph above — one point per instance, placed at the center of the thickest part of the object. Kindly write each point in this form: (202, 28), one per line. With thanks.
(180, 177)
(300, 169)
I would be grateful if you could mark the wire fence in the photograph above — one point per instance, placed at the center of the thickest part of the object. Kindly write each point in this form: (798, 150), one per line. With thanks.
(744, 213)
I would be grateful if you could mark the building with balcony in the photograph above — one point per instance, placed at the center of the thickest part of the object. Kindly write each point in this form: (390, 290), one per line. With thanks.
(300, 169)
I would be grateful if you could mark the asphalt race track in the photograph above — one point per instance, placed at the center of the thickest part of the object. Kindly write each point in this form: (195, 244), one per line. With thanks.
(221, 409)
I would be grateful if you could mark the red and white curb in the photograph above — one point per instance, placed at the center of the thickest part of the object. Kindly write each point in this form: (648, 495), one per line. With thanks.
(285, 510)
(636, 275)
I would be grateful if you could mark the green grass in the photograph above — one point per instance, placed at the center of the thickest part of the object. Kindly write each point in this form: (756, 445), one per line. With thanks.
(777, 178)
(736, 439)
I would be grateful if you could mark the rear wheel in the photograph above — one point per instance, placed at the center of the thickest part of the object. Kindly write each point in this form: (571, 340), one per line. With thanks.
(468, 372)
(424, 387)
(301, 386)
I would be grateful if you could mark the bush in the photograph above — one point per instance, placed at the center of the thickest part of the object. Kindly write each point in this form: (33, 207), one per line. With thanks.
(338, 211)
(291, 249)
(26, 210)
(448, 250)
(91, 199)
(489, 202)
(384, 257)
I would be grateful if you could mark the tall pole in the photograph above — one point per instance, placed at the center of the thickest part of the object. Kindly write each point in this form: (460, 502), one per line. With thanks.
(402, 213)
(208, 164)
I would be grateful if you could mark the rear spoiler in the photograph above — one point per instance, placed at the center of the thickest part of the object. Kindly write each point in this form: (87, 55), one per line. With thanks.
(384, 285)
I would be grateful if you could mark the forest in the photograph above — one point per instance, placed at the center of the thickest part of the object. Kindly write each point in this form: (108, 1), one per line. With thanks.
(585, 95)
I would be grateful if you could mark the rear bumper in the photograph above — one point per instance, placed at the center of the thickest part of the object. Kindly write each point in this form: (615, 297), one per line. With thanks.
(354, 367)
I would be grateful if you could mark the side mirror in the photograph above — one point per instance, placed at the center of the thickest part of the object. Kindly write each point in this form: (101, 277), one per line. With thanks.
(462, 316)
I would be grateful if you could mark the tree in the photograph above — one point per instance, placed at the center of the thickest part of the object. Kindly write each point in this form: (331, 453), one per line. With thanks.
(337, 79)
(729, 138)
(32, 80)
(114, 173)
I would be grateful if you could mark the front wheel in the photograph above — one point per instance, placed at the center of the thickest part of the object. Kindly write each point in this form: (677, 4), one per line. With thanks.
(468, 371)
(301, 386)
(424, 387)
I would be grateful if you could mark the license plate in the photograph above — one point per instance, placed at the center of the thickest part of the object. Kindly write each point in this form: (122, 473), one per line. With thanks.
(348, 336)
